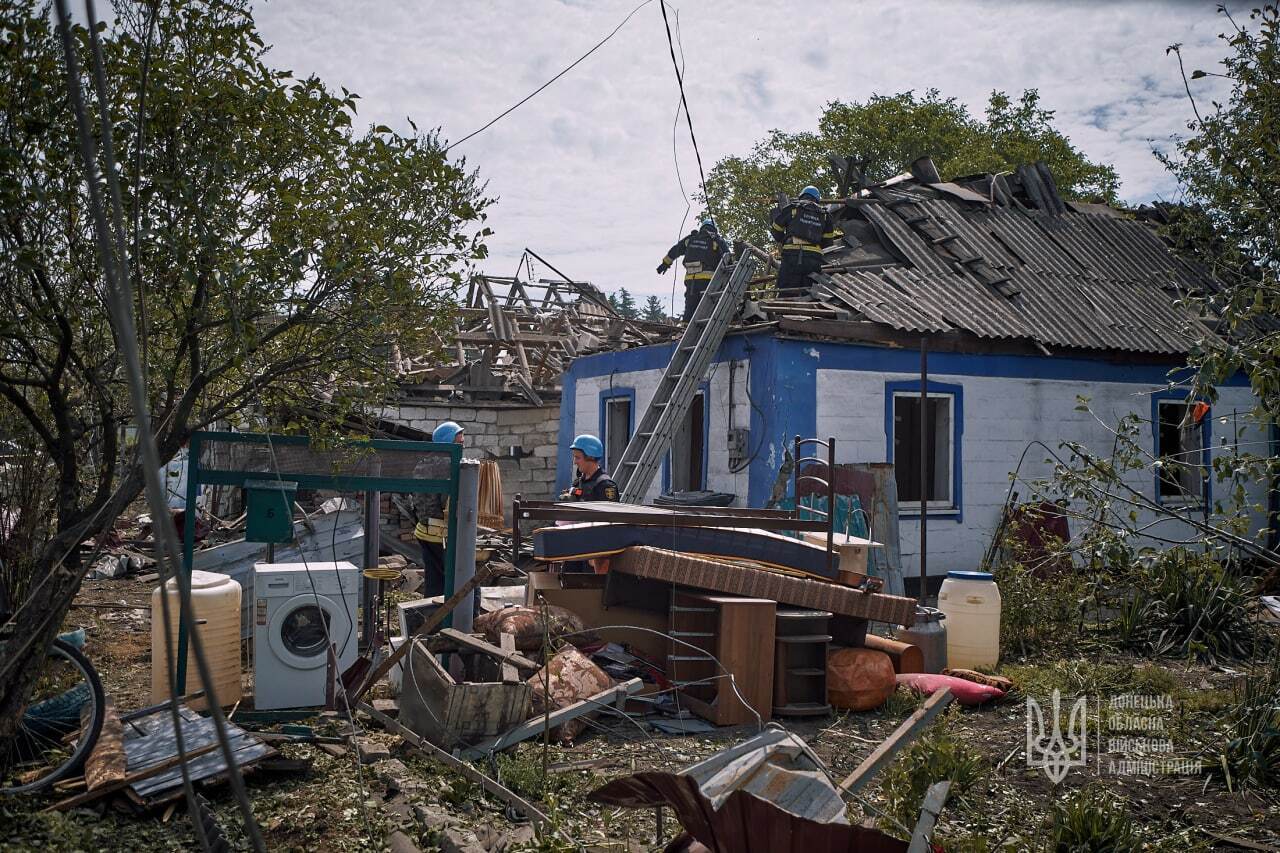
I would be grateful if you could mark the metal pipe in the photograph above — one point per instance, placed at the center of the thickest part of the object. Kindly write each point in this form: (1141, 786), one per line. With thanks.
(795, 477)
(464, 551)
(924, 466)
(372, 544)
(831, 498)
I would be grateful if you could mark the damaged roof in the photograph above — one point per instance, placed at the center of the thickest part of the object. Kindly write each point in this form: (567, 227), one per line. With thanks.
(1003, 257)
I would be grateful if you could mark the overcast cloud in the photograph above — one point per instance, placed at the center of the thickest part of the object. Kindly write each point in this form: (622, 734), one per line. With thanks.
(584, 173)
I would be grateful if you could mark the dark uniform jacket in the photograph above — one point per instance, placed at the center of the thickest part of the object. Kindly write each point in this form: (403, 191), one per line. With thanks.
(598, 487)
(804, 225)
(702, 251)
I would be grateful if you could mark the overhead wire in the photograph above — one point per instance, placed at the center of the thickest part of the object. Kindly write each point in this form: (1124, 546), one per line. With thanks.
(509, 110)
(115, 264)
(675, 158)
(685, 101)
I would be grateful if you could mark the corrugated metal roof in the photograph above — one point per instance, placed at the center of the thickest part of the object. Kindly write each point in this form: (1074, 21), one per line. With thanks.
(1092, 280)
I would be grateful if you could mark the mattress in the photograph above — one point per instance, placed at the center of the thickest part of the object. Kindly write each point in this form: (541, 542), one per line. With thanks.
(601, 539)
(686, 570)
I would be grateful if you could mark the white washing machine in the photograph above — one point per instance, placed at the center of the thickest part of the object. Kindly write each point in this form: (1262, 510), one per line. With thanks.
(293, 605)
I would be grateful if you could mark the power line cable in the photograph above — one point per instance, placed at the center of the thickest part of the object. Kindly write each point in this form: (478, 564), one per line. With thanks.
(684, 100)
(535, 92)
(675, 158)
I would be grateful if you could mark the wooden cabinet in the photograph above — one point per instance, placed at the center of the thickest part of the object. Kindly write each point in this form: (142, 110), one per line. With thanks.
(800, 662)
(739, 633)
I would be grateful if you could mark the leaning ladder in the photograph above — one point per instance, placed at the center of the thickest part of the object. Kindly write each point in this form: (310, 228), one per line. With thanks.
(679, 383)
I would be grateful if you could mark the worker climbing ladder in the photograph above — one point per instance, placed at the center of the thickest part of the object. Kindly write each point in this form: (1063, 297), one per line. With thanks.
(686, 370)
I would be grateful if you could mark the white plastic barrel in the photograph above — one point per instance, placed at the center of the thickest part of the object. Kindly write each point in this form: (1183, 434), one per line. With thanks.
(971, 602)
(215, 599)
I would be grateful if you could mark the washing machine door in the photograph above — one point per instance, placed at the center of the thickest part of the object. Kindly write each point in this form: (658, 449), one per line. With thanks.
(297, 630)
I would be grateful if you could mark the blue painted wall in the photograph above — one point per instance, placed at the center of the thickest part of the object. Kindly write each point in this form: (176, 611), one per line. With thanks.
(783, 384)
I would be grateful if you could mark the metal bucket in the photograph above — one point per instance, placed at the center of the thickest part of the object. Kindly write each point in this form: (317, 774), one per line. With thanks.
(930, 635)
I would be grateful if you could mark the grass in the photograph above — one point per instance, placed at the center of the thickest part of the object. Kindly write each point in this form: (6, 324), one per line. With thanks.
(1092, 820)
(1187, 604)
(1251, 757)
(937, 755)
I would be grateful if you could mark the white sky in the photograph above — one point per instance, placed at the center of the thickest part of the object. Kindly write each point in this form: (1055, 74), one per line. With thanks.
(584, 173)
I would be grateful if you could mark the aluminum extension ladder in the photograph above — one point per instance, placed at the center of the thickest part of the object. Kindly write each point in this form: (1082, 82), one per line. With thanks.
(679, 383)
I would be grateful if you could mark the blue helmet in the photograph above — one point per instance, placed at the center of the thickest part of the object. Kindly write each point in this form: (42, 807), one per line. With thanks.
(709, 224)
(446, 432)
(589, 445)
(811, 192)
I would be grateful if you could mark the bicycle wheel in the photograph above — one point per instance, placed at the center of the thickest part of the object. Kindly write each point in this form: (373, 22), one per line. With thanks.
(47, 748)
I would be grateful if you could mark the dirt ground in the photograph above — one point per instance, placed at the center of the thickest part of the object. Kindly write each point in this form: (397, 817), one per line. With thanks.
(340, 806)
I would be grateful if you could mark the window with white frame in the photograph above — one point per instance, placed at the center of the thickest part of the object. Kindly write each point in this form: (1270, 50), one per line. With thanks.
(1180, 447)
(939, 449)
(617, 429)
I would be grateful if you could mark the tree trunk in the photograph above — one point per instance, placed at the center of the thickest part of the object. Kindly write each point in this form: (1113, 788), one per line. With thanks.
(22, 667)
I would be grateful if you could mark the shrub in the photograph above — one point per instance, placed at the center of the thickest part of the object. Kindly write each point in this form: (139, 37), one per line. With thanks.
(1251, 756)
(1090, 820)
(1188, 604)
(1039, 614)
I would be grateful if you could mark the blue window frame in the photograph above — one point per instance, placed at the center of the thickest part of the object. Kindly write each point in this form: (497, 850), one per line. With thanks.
(945, 413)
(1181, 446)
(617, 421)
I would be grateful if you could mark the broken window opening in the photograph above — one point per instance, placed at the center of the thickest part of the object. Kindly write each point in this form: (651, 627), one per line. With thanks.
(688, 449)
(617, 430)
(1180, 448)
(940, 450)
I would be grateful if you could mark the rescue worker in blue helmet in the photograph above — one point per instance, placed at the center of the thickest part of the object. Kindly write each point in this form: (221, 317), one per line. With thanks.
(432, 515)
(702, 251)
(804, 228)
(592, 483)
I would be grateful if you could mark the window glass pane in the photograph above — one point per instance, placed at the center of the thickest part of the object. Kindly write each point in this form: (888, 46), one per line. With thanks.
(906, 447)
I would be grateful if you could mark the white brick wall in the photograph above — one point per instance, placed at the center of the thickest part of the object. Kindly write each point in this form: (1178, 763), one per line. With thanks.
(1001, 416)
(491, 431)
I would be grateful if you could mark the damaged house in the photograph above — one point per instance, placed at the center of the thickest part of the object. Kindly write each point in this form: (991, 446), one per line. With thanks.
(1027, 302)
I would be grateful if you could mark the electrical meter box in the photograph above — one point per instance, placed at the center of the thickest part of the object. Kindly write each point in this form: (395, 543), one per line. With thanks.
(269, 510)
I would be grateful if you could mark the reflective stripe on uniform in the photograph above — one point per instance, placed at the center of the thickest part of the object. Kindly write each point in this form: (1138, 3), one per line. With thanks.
(806, 247)
(698, 276)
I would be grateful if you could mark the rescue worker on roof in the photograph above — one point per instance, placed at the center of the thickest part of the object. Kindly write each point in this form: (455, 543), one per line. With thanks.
(591, 483)
(702, 251)
(432, 514)
(804, 228)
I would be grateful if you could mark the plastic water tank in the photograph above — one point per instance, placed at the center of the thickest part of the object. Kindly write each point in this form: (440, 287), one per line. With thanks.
(971, 602)
(215, 600)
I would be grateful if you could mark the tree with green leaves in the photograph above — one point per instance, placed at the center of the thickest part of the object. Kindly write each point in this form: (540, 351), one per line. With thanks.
(625, 304)
(886, 133)
(1229, 218)
(277, 253)
(1227, 221)
(653, 311)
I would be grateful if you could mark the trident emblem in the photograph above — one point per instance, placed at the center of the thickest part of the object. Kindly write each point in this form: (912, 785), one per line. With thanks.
(1056, 753)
